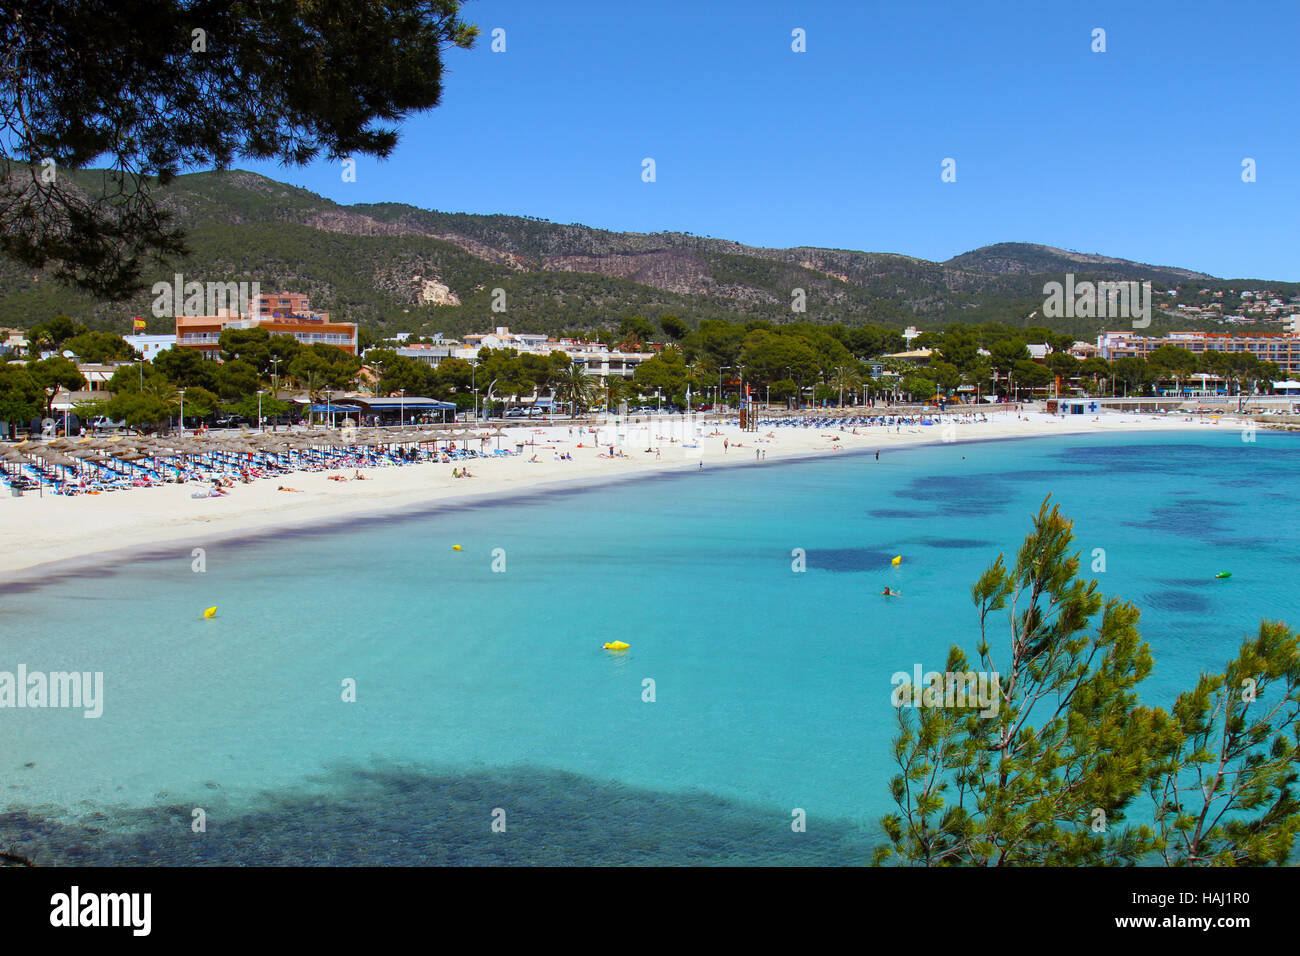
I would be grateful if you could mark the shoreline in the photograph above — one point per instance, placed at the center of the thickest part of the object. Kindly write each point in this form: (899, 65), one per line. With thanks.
(40, 540)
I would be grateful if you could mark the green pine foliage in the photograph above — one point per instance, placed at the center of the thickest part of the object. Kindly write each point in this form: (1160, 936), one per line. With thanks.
(1053, 772)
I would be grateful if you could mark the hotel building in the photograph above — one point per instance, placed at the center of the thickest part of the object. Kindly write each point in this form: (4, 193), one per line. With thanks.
(596, 359)
(1278, 347)
(281, 313)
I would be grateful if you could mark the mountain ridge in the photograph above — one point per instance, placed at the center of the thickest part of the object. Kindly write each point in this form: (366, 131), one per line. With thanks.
(397, 267)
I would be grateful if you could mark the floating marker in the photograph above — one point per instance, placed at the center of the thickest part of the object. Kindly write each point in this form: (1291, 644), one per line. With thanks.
(455, 547)
(898, 559)
(617, 646)
(210, 612)
(1224, 574)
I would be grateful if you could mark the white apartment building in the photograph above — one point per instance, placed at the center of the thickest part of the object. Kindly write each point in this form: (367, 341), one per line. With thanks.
(598, 360)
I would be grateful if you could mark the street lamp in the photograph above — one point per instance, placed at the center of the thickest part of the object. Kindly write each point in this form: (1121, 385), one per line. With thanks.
(401, 392)
(261, 422)
(182, 411)
(329, 410)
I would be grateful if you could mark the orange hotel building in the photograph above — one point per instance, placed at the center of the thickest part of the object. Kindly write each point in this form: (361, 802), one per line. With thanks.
(285, 313)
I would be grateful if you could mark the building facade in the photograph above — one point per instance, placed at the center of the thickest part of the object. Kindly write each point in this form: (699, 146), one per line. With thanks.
(1278, 347)
(150, 345)
(281, 313)
(595, 358)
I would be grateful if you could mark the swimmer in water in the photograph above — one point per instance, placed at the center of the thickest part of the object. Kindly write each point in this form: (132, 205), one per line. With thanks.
(887, 592)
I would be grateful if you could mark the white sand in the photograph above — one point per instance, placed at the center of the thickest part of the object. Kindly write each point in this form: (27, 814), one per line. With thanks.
(36, 531)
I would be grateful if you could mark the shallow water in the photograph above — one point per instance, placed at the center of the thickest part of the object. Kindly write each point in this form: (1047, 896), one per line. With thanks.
(481, 691)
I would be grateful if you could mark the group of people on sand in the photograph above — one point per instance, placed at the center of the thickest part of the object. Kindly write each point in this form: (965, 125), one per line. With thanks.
(356, 476)
(464, 472)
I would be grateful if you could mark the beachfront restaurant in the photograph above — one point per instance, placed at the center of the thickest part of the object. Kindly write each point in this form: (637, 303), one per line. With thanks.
(406, 409)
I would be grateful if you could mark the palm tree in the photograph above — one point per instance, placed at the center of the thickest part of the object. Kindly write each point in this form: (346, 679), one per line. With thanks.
(575, 387)
(845, 377)
(39, 341)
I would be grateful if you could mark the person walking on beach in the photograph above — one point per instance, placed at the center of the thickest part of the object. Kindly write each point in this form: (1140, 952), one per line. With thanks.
(877, 454)
(725, 443)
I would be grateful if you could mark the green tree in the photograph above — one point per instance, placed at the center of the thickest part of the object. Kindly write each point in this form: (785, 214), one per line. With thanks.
(768, 356)
(22, 397)
(133, 83)
(1004, 355)
(397, 373)
(782, 390)
(845, 378)
(1172, 361)
(635, 331)
(187, 367)
(456, 375)
(575, 388)
(674, 327)
(246, 408)
(1023, 773)
(1132, 372)
(1095, 368)
(198, 402)
(52, 334)
(1030, 375)
(55, 373)
(236, 379)
(946, 375)
(1062, 364)
(918, 388)
(98, 347)
(666, 372)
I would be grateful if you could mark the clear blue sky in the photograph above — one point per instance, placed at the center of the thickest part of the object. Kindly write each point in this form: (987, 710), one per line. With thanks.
(1135, 152)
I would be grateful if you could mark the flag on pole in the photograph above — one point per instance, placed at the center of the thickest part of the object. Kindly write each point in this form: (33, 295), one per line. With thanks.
(138, 324)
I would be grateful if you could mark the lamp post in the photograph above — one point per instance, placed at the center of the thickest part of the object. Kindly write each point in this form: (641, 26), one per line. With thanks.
(182, 412)
(261, 422)
(401, 410)
(275, 382)
(473, 373)
(329, 410)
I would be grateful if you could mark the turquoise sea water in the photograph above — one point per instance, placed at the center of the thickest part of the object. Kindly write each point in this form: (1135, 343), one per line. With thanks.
(478, 690)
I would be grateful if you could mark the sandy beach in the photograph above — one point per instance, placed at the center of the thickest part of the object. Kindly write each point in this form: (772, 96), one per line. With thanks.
(49, 534)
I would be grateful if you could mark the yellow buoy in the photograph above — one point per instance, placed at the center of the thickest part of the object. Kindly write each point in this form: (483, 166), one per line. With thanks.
(210, 612)
(617, 646)
(455, 547)
(898, 559)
